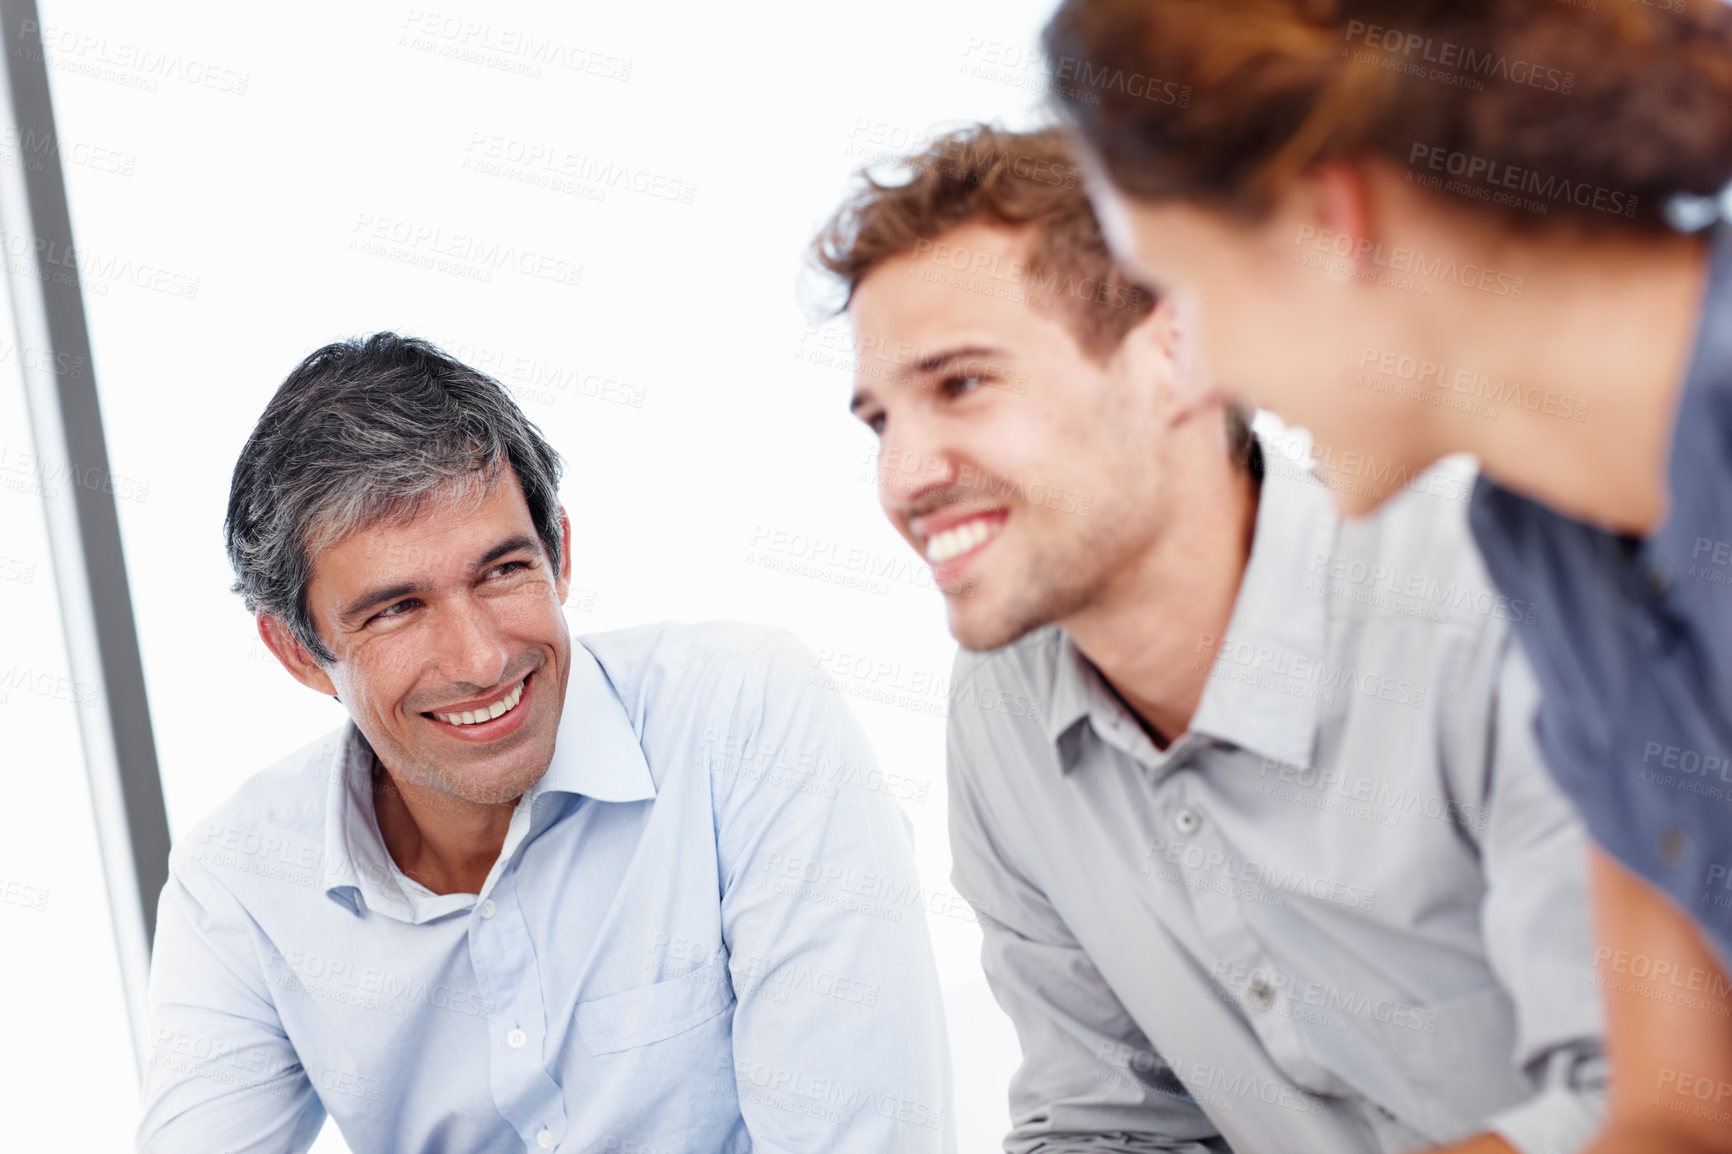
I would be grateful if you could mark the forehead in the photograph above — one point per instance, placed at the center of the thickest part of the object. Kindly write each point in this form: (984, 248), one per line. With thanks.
(972, 281)
(441, 529)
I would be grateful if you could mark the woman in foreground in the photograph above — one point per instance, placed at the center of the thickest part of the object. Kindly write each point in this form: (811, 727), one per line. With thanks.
(1497, 227)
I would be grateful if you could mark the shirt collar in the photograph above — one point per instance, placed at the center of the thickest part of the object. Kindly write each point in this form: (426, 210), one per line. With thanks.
(1279, 610)
(596, 754)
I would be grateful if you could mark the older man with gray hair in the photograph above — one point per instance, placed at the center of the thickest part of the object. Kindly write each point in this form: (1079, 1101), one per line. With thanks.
(624, 892)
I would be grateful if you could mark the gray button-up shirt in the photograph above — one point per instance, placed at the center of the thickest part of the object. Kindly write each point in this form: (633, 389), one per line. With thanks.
(1345, 911)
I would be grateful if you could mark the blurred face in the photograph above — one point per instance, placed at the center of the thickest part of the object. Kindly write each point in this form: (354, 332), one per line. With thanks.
(451, 648)
(1027, 474)
(1282, 320)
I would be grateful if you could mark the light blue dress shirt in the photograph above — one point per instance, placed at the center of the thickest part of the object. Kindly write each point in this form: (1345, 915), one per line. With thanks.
(703, 935)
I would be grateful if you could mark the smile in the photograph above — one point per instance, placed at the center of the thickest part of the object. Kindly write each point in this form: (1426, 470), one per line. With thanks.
(964, 538)
(487, 712)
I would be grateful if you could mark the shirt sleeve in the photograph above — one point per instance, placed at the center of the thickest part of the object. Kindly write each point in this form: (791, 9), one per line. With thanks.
(839, 1039)
(221, 1074)
(1536, 929)
(1089, 1082)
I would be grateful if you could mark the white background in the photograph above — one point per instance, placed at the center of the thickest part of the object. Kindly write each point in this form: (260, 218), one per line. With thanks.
(222, 162)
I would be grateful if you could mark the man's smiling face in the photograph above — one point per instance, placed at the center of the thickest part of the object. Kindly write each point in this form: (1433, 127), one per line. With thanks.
(451, 647)
(1027, 472)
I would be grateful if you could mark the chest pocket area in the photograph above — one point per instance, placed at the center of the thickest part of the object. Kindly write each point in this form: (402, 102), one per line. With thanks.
(653, 1013)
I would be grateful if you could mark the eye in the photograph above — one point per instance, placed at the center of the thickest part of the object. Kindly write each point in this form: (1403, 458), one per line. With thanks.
(506, 568)
(874, 420)
(394, 610)
(960, 384)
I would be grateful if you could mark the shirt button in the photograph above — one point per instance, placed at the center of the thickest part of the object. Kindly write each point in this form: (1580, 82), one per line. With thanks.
(545, 1139)
(1261, 993)
(1672, 845)
(1658, 580)
(515, 1039)
(487, 908)
(1186, 820)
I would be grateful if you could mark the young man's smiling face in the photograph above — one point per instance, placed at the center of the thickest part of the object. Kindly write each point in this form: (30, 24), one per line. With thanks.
(1025, 471)
(451, 646)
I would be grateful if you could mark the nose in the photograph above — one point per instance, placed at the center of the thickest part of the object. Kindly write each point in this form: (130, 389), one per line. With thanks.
(472, 651)
(913, 458)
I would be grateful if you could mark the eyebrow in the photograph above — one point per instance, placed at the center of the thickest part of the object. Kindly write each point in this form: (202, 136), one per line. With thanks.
(941, 360)
(932, 363)
(381, 595)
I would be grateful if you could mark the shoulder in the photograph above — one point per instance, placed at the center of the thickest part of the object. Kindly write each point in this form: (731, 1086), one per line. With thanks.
(1000, 699)
(1417, 557)
(273, 826)
(703, 659)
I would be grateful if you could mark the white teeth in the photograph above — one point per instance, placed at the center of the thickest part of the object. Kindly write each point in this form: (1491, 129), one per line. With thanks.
(956, 541)
(469, 717)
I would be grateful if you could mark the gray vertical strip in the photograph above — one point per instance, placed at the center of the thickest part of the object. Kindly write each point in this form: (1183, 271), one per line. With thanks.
(77, 493)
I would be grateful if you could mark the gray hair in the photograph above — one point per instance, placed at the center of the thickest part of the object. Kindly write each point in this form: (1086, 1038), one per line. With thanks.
(368, 430)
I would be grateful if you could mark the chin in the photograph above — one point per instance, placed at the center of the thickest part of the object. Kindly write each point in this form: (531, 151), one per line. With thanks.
(980, 632)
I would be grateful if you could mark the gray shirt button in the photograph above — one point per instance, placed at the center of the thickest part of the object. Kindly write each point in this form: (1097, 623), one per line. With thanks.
(1261, 994)
(1186, 820)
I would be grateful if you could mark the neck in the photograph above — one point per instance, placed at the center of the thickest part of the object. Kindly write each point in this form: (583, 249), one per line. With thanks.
(1607, 322)
(1154, 633)
(442, 841)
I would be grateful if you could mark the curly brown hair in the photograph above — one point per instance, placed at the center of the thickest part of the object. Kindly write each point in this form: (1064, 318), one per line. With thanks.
(1011, 178)
(1579, 110)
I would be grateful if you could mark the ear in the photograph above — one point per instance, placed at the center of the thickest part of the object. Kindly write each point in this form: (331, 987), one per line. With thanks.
(1344, 205)
(1193, 390)
(562, 585)
(302, 666)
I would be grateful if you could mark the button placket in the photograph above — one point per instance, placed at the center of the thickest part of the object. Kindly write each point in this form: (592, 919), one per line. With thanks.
(1219, 905)
(505, 965)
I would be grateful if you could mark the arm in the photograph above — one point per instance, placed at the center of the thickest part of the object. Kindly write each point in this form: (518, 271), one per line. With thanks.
(1089, 1082)
(1534, 919)
(221, 1073)
(839, 1042)
(1663, 1051)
